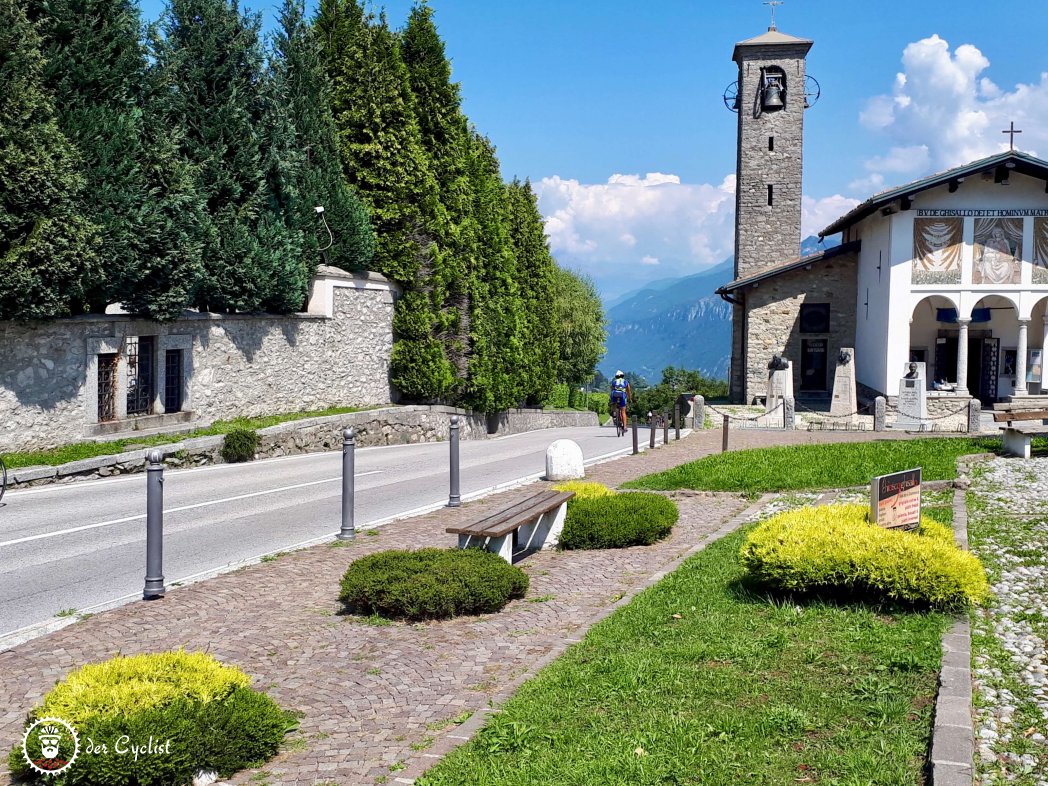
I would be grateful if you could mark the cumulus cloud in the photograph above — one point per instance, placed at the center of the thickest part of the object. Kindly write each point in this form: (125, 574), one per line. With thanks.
(649, 260)
(817, 214)
(944, 111)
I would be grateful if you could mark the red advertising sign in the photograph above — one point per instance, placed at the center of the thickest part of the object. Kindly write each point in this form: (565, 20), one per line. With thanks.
(895, 500)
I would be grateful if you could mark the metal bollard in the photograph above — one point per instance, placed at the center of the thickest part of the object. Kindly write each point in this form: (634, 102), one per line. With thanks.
(724, 436)
(651, 432)
(454, 498)
(349, 447)
(676, 421)
(154, 586)
(636, 447)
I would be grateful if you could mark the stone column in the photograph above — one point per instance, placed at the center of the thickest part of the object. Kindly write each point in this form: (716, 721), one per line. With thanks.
(962, 357)
(1020, 359)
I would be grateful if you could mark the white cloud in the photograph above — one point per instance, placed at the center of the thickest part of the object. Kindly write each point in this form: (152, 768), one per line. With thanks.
(817, 214)
(943, 111)
(649, 260)
(628, 240)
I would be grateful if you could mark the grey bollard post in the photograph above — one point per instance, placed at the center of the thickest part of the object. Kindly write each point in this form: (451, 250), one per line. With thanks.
(349, 446)
(636, 447)
(724, 436)
(974, 416)
(698, 413)
(665, 428)
(789, 414)
(454, 498)
(879, 409)
(651, 432)
(154, 586)
(676, 421)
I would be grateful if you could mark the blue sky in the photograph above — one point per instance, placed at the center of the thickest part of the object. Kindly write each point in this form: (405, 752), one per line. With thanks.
(587, 98)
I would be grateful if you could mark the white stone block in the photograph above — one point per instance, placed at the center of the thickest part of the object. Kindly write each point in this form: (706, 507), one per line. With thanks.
(564, 461)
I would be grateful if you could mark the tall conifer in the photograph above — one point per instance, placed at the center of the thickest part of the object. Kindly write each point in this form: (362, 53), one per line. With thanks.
(47, 249)
(137, 191)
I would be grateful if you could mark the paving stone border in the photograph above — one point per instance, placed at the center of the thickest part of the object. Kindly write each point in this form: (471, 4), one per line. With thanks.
(952, 757)
(459, 735)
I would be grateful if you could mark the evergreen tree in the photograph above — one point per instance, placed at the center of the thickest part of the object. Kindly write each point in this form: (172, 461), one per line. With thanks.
(299, 74)
(383, 158)
(47, 249)
(211, 62)
(535, 273)
(580, 322)
(137, 191)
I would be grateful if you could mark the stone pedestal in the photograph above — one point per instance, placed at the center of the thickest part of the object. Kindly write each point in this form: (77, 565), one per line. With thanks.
(912, 406)
(780, 386)
(564, 461)
(843, 406)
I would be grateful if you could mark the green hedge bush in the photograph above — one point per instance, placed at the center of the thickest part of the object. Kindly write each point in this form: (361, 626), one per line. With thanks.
(836, 548)
(431, 583)
(240, 445)
(558, 397)
(618, 521)
(213, 719)
(600, 403)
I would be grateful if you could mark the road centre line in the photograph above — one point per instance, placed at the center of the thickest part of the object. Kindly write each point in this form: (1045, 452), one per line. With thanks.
(126, 519)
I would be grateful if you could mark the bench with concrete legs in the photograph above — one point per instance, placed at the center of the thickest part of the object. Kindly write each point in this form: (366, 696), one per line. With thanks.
(533, 523)
(1017, 438)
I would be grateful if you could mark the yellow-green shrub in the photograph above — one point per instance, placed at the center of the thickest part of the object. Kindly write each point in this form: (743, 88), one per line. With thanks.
(835, 547)
(584, 489)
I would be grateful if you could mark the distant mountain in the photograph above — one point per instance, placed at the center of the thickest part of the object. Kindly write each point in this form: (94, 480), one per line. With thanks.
(676, 322)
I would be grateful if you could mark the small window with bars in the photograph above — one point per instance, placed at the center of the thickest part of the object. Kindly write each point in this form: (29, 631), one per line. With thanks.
(107, 387)
(173, 380)
(140, 352)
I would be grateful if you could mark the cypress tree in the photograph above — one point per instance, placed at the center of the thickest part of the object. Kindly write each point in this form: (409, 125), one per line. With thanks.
(137, 191)
(234, 138)
(300, 76)
(47, 248)
(444, 133)
(383, 158)
(536, 278)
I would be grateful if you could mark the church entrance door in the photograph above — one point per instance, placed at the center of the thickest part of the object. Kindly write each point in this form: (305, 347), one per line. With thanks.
(813, 364)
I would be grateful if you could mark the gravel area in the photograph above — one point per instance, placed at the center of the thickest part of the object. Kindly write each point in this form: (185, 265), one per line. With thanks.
(1008, 529)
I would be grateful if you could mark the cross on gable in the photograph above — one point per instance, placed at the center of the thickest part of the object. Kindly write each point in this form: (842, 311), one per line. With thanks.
(774, 4)
(1011, 131)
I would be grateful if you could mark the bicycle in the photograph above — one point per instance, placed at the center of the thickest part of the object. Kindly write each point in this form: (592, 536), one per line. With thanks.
(3, 478)
(616, 416)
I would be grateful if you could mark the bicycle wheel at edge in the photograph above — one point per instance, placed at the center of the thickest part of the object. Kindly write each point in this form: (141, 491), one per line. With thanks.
(3, 478)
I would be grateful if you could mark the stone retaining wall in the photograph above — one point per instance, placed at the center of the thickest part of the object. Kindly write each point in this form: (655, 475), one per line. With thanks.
(387, 426)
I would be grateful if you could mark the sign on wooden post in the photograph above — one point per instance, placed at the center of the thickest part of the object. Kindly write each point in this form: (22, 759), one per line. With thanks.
(895, 500)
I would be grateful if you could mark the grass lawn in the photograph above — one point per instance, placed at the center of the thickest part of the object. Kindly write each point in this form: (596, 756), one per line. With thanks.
(740, 689)
(822, 466)
(83, 450)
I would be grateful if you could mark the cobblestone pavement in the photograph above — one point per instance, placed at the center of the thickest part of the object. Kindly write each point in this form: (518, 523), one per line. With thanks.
(1008, 529)
(373, 695)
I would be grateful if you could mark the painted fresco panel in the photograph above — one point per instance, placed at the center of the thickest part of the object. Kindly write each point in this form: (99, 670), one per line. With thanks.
(998, 251)
(1040, 251)
(937, 250)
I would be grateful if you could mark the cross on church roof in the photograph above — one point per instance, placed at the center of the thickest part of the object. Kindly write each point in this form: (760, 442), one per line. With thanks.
(1011, 131)
(774, 4)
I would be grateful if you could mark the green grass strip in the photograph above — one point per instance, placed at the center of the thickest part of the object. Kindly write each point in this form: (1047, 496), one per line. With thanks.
(822, 466)
(739, 690)
(85, 450)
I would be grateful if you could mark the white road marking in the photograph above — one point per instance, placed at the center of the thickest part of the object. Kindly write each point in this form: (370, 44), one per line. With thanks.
(126, 519)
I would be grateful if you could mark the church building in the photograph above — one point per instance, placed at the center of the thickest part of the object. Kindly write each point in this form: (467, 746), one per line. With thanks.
(950, 271)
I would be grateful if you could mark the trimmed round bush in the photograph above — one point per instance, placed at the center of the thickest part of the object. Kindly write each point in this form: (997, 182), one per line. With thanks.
(240, 445)
(213, 719)
(431, 583)
(584, 489)
(836, 548)
(618, 521)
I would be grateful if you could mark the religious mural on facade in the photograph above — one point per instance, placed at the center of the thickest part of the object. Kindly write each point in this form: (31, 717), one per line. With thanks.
(1040, 251)
(998, 251)
(937, 250)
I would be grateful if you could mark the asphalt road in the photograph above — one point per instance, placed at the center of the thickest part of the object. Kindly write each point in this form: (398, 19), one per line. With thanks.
(82, 546)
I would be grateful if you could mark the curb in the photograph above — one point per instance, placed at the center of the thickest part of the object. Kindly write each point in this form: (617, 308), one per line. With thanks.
(459, 735)
(952, 759)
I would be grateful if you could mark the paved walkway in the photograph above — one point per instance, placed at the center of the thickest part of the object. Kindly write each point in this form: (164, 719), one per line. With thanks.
(373, 695)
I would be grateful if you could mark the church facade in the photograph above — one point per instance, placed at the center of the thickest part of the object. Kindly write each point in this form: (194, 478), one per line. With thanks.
(950, 271)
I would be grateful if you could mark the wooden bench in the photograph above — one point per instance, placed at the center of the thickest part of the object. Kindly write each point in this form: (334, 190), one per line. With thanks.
(1017, 438)
(535, 522)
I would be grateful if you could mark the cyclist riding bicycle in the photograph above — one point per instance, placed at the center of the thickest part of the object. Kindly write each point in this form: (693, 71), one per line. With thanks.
(621, 393)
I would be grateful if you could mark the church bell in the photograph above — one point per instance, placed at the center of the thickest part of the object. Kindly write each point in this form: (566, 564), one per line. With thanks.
(772, 94)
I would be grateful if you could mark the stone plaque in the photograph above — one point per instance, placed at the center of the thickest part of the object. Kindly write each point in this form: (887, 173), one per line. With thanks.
(912, 407)
(895, 500)
(844, 404)
(780, 386)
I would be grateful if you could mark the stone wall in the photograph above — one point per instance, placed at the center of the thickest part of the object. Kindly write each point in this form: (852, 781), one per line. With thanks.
(386, 426)
(336, 354)
(773, 314)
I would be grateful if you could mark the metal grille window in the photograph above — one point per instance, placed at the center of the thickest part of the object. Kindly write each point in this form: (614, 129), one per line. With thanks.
(106, 387)
(141, 382)
(173, 380)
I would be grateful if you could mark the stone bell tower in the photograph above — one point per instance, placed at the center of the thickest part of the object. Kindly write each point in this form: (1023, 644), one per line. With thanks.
(770, 97)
